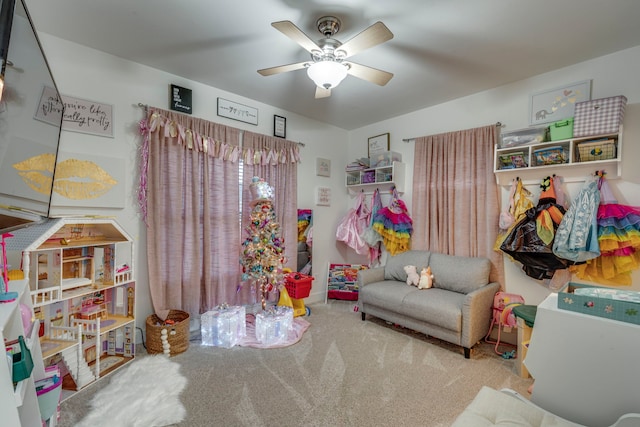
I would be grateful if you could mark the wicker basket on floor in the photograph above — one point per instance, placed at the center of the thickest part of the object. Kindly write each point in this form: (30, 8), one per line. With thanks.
(177, 334)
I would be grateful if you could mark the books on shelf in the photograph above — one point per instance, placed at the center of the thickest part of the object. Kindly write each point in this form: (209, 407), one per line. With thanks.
(359, 164)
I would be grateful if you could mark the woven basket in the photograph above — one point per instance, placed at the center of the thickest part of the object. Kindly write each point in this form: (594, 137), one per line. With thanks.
(177, 334)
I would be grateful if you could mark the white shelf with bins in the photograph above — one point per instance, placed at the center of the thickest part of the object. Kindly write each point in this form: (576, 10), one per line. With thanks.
(383, 178)
(573, 169)
(81, 285)
(19, 403)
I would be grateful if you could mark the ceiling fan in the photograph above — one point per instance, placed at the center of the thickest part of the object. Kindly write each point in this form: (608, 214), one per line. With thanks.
(328, 65)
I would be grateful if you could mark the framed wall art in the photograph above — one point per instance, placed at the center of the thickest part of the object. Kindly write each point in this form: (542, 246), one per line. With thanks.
(279, 126)
(323, 167)
(323, 196)
(236, 111)
(552, 105)
(378, 144)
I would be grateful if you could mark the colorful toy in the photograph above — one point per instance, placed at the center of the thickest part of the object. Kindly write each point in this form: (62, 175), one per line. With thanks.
(426, 279)
(412, 275)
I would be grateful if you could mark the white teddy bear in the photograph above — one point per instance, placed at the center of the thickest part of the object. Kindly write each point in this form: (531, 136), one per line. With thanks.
(412, 275)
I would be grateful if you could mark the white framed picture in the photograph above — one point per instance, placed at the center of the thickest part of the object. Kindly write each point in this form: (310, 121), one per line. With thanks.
(323, 167)
(237, 111)
(323, 196)
(552, 105)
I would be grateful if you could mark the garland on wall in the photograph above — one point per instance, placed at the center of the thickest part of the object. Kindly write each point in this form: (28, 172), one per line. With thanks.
(193, 140)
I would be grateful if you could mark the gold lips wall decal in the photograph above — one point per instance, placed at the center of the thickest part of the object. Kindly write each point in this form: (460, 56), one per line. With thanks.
(75, 179)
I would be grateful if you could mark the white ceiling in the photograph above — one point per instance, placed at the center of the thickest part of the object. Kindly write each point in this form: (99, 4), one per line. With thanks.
(442, 49)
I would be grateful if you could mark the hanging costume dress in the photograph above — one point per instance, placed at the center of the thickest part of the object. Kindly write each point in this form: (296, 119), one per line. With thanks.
(352, 227)
(531, 240)
(395, 226)
(577, 235)
(371, 236)
(619, 240)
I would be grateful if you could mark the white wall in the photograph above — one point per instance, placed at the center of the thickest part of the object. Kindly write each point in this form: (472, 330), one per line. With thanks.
(86, 73)
(611, 75)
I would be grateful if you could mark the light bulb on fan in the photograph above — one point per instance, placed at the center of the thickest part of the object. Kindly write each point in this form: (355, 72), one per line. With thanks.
(327, 74)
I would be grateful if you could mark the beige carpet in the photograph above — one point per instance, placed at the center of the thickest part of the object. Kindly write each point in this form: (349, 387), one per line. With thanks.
(344, 372)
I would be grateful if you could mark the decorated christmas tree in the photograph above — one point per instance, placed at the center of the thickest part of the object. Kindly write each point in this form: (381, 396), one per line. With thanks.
(263, 249)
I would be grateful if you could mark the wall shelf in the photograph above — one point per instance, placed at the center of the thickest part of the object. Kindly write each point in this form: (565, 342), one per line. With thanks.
(383, 178)
(573, 167)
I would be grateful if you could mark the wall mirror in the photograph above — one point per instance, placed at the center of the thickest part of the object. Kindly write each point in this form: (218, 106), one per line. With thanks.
(28, 145)
(305, 225)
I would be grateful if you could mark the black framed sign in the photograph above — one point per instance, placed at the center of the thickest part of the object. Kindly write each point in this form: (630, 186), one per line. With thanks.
(180, 99)
(279, 126)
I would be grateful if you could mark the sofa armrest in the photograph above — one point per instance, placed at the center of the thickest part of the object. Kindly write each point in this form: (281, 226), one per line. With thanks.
(371, 275)
(476, 314)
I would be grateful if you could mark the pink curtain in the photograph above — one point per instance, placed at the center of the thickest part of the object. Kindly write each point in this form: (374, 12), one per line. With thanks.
(276, 161)
(456, 201)
(192, 200)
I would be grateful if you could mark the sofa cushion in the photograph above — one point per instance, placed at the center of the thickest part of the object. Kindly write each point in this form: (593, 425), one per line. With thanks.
(458, 273)
(394, 268)
(388, 294)
(435, 306)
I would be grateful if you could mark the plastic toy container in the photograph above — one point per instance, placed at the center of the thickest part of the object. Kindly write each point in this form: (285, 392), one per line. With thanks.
(48, 392)
(523, 137)
(562, 129)
(550, 156)
(298, 285)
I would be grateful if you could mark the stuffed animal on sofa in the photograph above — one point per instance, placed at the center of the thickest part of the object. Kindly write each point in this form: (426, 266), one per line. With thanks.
(426, 278)
(412, 275)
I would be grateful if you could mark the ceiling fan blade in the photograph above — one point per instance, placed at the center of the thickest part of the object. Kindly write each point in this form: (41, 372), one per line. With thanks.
(294, 33)
(369, 37)
(282, 68)
(322, 92)
(369, 74)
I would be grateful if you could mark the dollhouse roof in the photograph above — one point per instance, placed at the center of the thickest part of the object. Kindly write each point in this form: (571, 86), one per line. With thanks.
(66, 232)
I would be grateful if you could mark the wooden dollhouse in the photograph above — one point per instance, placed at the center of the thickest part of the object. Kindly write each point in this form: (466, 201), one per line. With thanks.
(81, 283)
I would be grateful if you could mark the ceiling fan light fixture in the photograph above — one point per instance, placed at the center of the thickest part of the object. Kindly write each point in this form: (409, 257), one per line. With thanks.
(327, 74)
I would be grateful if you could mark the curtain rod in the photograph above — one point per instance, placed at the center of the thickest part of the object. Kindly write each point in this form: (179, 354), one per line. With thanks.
(498, 124)
(146, 107)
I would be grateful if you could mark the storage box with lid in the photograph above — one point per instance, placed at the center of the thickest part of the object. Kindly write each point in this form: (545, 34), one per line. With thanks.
(599, 116)
(523, 137)
(550, 156)
(615, 304)
(385, 158)
(562, 129)
(603, 149)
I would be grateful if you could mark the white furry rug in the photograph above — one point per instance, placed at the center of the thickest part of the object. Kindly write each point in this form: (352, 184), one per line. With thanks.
(144, 393)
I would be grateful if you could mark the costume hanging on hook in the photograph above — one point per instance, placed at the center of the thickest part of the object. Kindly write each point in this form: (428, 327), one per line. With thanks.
(519, 203)
(395, 225)
(370, 235)
(577, 236)
(619, 240)
(531, 240)
(353, 225)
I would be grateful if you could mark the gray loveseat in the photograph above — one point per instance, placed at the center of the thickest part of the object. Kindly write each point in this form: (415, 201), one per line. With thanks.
(457, 309)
